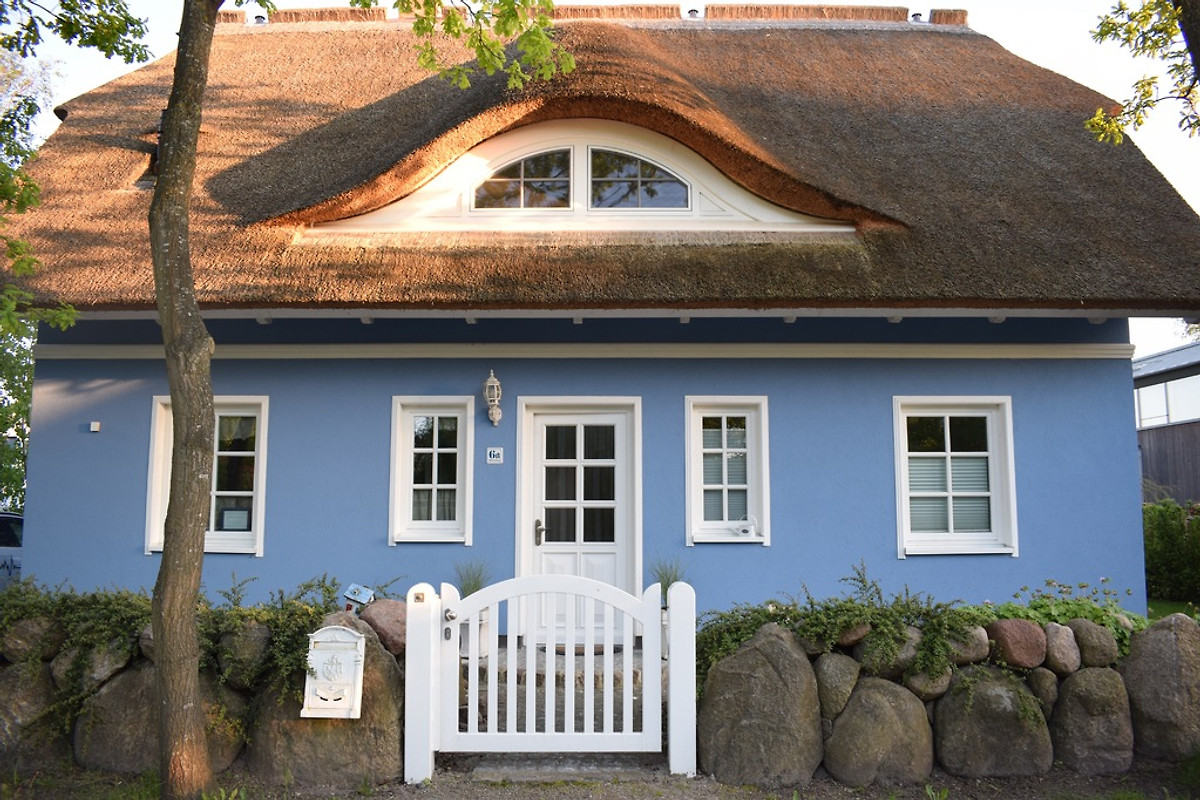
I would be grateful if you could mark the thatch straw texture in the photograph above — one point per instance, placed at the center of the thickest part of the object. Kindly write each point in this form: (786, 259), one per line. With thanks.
(966, 169)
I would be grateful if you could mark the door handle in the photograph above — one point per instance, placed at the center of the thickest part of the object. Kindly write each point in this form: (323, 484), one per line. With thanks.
(539, 531)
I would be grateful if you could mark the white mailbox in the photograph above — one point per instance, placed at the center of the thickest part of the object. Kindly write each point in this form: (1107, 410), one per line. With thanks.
(333, 687)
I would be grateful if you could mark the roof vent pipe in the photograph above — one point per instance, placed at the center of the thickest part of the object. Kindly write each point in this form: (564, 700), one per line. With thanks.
(692, 11)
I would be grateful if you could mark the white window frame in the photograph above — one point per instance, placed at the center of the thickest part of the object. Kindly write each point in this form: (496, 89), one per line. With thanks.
(446, 201)
(159, 476)
(1002, 539)
(758, 460)
(401, 526)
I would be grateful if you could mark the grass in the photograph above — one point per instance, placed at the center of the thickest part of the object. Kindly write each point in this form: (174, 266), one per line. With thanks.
(1164, 608)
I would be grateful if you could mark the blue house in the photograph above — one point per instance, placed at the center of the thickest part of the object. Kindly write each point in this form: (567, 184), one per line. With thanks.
(771, 297)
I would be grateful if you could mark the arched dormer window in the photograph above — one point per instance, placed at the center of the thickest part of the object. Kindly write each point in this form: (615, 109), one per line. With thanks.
(615, 180)
(581, 175)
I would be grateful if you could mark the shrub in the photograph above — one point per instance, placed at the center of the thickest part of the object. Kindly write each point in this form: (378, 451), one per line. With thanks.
(821, 622)
(1172, 541)
(1062, 602)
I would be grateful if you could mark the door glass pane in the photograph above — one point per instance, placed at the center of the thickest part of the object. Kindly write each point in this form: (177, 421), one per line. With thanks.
(599, 483)
(926, 474)
(710, 432)
(735, 432)
(926, 435)
(447, 500)
(972, 514)
(599, 441)
(969, 473)
(560, 525)
(714, 505)
(737, 504)
(735, 466)
(968, 434)
(423, 431)
(560, 441)
(236, 434)
(233, 513)
(423, 468)
(235, 473)
(929, 514)
(447, 432)
(598, 525)
(447, 468)
(560, 483)
(422, 505)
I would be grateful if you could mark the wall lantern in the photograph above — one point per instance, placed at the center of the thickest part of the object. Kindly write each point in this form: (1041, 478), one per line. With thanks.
(491, 393)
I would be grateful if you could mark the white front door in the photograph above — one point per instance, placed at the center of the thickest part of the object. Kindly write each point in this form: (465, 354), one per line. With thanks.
(579, 500)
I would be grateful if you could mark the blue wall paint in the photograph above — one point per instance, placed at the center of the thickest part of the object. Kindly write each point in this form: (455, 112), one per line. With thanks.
(832, 474)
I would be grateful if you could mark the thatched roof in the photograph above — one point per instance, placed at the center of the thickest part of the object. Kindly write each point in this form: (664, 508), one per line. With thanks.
(966, 169)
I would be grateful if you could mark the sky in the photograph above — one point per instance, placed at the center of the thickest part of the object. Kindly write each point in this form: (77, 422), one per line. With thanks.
(1054, 34)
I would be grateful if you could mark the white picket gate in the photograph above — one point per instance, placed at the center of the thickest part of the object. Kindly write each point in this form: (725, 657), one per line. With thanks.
(567, 686)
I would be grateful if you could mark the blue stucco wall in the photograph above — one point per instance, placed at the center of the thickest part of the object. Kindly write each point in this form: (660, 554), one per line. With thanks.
(832, 465)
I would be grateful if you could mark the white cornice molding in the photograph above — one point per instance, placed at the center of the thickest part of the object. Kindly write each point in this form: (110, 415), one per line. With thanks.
(616, 350)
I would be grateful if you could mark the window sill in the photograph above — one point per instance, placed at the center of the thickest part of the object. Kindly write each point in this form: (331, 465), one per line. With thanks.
(958, 549)
(728, 538)
(457, 537)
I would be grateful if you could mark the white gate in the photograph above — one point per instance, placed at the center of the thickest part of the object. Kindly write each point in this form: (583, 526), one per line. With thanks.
(468, 689)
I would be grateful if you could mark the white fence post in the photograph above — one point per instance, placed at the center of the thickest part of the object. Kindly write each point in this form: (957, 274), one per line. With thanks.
(681, 679)
(422, 654)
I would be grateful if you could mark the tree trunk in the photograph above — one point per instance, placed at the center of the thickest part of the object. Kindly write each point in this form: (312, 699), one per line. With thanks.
(183, 751)
(1189, 25)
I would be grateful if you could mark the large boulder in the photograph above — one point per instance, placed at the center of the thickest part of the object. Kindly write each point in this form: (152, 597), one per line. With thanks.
(1062, 653)
(31, 638)
(759, 720)
(27, 741)
(882, 736)
(836, 676)
(1097, 645)
(242, 654)
(284, 748)
(1044, 685)
(1091, 727)
(117, 729)
(926, 686)
(1019, 643)
(93, 669)
(989, 725)
(389, 619)
(1162, 676)
(876, 663)
(972, 648)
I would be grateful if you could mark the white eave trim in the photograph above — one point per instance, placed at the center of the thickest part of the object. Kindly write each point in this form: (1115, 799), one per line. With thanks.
(540, 350)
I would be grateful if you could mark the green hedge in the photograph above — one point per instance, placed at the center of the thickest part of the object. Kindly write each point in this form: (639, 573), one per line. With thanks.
(1172, 540)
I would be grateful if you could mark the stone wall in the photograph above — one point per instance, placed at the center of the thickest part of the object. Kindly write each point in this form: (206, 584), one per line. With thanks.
(1022, 696)
(116, 730)
(771, 714)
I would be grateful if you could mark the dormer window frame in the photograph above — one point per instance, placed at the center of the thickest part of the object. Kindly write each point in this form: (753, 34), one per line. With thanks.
(446, 202)
(580, 180)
